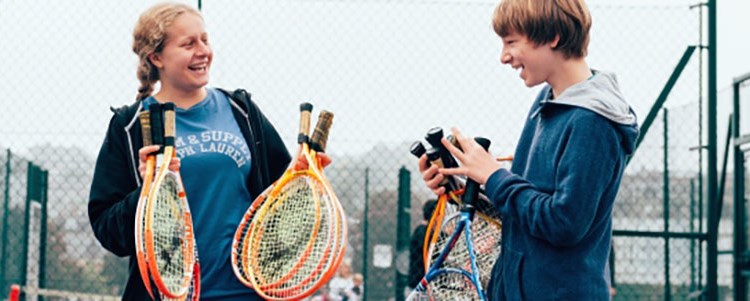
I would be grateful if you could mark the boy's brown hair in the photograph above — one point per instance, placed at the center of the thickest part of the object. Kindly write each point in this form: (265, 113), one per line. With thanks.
(542, 20)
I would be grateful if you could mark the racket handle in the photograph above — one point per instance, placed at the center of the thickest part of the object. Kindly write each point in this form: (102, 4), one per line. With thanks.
(417, 149)
(157, 124)
(305, 110)
(169, 123)
(472, 187)
(145, 119)
(320, 134)
(433, 138)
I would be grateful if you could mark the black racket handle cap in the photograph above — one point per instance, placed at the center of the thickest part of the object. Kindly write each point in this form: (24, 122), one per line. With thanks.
(305, 106)
(433, 154)
(169, 106)
(484, 142)
(417, 149)
(434, 135)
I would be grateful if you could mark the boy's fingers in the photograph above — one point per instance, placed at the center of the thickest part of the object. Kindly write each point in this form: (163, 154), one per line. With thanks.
(439, 191)
(423, 163)
(453, 150)
(453, 171)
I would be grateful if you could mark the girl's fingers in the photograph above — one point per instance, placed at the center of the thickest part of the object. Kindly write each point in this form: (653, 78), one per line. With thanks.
(146, 150)
(174, 164)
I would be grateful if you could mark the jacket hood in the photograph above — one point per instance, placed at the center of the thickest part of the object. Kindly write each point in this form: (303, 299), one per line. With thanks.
(601, 95)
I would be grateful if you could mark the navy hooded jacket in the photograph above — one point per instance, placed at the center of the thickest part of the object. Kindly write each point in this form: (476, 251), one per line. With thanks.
(556, 201)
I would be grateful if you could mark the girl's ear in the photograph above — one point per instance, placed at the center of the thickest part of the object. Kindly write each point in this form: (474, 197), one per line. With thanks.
(155, 59)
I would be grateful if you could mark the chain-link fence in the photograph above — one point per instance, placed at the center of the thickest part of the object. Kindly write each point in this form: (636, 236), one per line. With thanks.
(390, 70)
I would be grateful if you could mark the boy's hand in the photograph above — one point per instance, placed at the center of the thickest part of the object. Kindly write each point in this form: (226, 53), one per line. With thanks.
(431, 176)
(476, 163)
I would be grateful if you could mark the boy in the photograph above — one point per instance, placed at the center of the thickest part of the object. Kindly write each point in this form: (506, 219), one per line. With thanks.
(556, 201)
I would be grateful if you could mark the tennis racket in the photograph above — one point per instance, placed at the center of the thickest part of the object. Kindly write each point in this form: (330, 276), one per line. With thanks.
(145, 120)
(455, 274)
(287, 242)
(454, 188)
(169, 241)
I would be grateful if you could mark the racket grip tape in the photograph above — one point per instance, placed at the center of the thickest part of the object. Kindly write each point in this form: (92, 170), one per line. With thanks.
(157, 124)
(320, 134)
(145, 119)
(169, 123)
(305, 109)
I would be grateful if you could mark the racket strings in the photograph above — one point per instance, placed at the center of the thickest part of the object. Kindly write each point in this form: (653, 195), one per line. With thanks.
(311, 270)
(485, 239)
(170, 238)
(281, 230)
(293, 239)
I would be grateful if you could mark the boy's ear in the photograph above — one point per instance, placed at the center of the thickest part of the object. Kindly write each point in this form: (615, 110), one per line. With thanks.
(555, 41)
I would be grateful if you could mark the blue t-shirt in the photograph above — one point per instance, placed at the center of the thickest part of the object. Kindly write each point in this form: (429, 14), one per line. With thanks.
(215, 164)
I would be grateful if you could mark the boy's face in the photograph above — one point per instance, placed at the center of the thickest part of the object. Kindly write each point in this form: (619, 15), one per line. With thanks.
(536, 62)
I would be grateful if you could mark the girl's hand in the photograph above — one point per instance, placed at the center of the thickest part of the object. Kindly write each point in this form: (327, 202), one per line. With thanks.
(301, 163)
(174, 164)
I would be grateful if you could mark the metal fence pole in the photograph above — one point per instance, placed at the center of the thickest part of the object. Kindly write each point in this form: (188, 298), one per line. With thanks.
(364, 234)
(4, 236)
(403, 228)
(712, 264)
(667, 286)
(740, 215)
(43, 177)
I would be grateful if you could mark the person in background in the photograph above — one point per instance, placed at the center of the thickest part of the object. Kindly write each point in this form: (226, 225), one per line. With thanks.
(357, 291)
(339, 284)
(416, 245)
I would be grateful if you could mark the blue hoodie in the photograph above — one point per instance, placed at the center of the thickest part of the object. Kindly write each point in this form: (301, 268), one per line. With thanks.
(556, 201)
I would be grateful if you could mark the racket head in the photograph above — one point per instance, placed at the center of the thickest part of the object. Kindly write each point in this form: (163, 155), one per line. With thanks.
(485, 246)
(168, 232)
(288, 246)
(240, 236)
(169, 238)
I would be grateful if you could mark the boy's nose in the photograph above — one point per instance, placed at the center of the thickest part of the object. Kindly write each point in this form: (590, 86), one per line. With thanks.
(505, 58)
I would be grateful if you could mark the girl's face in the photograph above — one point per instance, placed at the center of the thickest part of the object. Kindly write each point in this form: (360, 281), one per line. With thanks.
(535, 62)
(186, 58)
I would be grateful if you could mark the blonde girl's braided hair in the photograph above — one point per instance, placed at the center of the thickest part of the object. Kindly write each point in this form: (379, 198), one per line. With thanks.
(149, 36)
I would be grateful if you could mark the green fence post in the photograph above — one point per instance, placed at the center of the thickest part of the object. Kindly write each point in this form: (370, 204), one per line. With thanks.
(4, 236)
(43, 177)
(403, 226)
(712, 264)
(740, 214)
(365, 236)
(667, 286)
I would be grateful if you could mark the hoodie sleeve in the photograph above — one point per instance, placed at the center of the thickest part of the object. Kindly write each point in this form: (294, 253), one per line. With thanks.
(585, 169)
(114, 194)
(276, 152)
